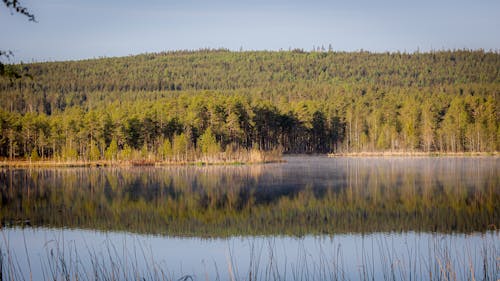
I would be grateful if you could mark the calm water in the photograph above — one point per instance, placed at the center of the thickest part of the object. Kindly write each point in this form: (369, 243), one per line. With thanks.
(312, 218)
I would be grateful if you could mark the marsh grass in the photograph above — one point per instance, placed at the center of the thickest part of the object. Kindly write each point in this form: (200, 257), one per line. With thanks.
(405, 153)
(375, 259)
(229, 157)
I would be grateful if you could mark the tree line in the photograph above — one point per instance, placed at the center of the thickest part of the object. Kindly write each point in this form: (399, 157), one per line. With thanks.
(179, 104)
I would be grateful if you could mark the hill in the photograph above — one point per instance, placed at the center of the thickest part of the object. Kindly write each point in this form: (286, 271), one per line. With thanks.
(177, 103)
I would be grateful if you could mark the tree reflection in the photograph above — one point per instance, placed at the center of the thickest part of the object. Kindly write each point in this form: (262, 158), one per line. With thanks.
(353, 195)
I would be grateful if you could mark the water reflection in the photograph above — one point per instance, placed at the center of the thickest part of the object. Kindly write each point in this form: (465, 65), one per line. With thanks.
(87, 255)
(306, 195)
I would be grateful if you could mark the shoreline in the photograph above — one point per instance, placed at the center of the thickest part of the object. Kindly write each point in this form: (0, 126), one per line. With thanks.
(125, 163)
(23, 163)
(412, 154)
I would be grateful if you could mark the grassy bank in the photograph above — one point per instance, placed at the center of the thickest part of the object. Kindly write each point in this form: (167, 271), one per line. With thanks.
(411, 154)
(223, 158)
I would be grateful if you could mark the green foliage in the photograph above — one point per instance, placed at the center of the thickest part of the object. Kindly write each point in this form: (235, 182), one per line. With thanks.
(208, 144)
(69, 154)
(166, 149)
(144, 151)
(111, 152)
(126, 153)
(180, 146)
(94, 154)
(264, 70)
(297, 102)
(34, 155)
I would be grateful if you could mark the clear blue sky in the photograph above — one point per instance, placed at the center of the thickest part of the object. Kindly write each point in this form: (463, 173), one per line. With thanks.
(78, 29)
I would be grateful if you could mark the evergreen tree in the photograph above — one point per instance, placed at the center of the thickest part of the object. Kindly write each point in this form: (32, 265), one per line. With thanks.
(208, 144)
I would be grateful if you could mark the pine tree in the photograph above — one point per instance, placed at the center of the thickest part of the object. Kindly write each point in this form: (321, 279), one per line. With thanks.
(208, 144)
(112, 150)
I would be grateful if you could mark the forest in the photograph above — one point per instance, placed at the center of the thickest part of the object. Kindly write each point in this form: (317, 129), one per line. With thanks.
(182, 105)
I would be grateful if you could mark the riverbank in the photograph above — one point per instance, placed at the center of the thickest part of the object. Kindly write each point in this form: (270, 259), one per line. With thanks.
(106, 163)
(248, 157)
(411, 154)
(255, 157)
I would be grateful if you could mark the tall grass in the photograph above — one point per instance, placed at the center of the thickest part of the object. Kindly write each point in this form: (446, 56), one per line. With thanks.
(230, 156)
(369, 259)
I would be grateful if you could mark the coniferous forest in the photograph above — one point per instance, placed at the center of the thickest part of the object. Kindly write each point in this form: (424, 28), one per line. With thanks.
(176, 105)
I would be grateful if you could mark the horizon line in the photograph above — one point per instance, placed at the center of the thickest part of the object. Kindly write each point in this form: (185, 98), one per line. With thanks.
(319, 49)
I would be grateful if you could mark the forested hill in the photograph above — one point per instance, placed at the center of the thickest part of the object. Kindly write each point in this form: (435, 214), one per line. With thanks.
(225, 70)
(292, 100)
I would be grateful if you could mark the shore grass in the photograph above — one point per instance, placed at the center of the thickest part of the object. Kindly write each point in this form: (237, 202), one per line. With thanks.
(239, 158)
(438, 259)
(411, 154)
(252, 157)
(122, 163)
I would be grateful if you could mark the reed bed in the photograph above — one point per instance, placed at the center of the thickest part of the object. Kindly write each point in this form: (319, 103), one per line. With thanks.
(406, 153)
(374, 259)
(239, 156)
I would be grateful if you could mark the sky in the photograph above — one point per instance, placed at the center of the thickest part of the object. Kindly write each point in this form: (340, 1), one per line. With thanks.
(81, 29)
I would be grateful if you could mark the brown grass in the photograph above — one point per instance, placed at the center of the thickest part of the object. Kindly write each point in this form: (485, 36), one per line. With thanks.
(223, 158)
(410, 154)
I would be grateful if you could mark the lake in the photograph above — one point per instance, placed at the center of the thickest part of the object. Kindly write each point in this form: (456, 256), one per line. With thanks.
(311, 218)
